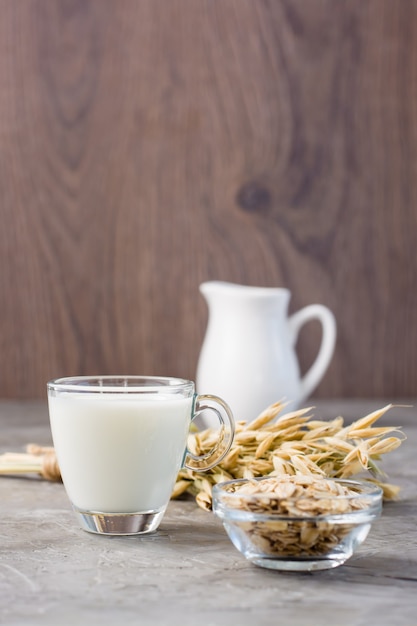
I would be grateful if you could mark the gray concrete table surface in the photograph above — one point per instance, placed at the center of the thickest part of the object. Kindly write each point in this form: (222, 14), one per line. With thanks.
(188, 572)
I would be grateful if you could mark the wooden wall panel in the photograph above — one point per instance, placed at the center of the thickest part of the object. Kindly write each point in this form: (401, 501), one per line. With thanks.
(149, 145)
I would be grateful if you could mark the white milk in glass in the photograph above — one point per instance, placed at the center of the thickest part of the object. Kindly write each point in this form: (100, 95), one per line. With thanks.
(119, 453)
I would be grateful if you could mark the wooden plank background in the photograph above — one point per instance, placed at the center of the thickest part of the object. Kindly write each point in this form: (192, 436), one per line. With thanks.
(149, 145)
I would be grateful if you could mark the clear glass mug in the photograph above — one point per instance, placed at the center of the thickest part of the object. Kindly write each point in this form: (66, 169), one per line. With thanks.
(121, 441)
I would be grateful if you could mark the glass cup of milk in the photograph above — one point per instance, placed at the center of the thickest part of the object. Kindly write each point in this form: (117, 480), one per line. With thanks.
(120, 442)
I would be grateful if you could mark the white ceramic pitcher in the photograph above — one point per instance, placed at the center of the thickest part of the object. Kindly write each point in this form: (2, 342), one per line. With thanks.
(248, 355)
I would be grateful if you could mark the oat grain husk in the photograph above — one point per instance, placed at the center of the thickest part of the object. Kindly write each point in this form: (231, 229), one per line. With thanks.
(295, 443)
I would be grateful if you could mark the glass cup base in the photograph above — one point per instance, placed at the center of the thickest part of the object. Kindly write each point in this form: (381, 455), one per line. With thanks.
(119, 523)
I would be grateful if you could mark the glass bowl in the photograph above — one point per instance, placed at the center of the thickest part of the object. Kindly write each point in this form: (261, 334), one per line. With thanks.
(297, 523)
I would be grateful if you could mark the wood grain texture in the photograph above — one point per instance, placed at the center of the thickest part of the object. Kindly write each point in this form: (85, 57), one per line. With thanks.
(149, 145)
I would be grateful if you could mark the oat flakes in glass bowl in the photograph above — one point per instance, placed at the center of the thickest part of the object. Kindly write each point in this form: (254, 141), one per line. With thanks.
(297, 523)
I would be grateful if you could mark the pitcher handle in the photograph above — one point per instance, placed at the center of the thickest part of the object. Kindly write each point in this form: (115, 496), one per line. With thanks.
(317, 370)
(225, 437)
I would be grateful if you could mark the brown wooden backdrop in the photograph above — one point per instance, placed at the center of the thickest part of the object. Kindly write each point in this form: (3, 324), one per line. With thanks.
(149, 145)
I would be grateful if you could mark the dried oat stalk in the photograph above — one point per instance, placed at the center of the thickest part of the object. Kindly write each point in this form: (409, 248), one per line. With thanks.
(293, 444)
(39, 460)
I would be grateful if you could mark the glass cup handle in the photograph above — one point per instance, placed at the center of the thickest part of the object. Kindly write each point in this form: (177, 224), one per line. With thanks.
(225, 437)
